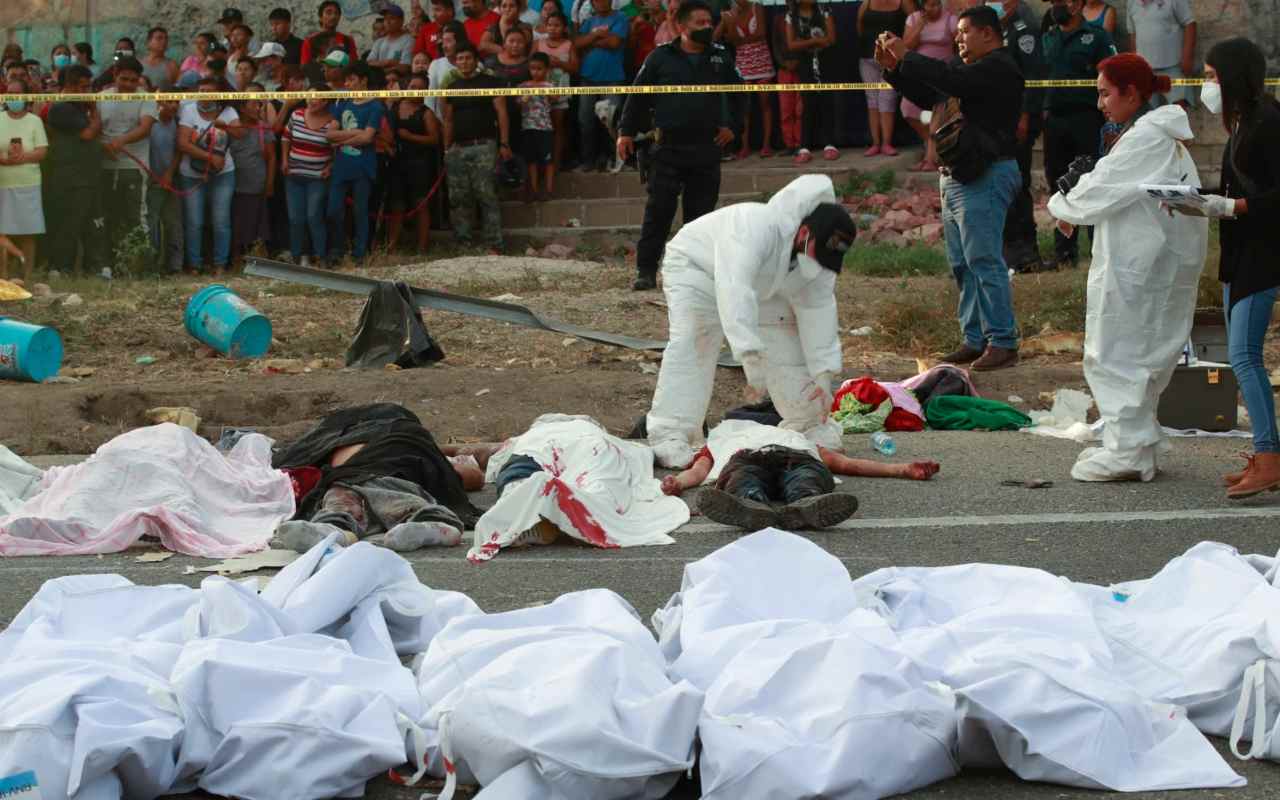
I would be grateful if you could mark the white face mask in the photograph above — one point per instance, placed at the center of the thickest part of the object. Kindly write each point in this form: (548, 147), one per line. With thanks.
(1211, 96)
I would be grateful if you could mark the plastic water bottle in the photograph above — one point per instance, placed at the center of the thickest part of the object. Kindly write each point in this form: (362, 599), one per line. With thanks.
(883, 443)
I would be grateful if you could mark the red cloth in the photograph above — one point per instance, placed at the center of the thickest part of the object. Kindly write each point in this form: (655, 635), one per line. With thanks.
(867, 391)
(304, 479)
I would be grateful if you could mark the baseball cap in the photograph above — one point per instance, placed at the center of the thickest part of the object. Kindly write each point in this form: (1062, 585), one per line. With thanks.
(270, 49)
(336, 58)
(231, 15)
(394, 10)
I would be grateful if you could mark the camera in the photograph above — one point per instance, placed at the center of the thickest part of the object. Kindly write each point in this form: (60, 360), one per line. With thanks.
(1077, 169)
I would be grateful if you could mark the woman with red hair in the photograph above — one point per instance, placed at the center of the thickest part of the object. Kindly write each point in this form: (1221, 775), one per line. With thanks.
(1145, 271)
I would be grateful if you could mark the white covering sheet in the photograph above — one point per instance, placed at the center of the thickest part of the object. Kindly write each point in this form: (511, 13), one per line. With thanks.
(18, 480)
(733, 435)
(593, 486)
(162, 481)
(567, 701)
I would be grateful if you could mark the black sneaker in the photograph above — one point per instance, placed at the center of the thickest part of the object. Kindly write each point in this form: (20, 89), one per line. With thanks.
(739, 512)
(818, 512)
(645, 282)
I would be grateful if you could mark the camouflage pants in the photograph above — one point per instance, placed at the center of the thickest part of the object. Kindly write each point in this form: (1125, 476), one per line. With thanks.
(472, 183)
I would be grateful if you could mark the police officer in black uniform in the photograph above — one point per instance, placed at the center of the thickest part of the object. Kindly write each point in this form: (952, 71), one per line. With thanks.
(691, 131)
(1021, 27)
(1072, 122)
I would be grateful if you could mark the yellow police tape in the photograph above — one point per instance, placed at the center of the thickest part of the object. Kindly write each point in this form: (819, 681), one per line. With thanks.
(519, 91)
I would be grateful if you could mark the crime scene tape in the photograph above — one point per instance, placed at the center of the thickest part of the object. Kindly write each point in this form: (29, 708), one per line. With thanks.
(517, 91)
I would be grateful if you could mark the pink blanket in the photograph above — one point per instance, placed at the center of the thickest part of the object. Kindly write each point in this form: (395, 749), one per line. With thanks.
(164, 482)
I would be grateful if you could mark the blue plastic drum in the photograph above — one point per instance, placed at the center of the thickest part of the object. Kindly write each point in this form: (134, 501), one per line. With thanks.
(28, 352)
(218, 317)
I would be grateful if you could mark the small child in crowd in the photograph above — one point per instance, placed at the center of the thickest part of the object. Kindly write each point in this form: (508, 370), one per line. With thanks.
(537, 137)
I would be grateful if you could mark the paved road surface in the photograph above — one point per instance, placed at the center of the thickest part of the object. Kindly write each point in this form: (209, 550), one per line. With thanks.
(1094, 533)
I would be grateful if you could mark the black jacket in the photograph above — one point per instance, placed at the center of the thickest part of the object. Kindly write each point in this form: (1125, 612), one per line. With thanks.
(395, 446)
(1250, 243)
(688, 112)
(989, 90)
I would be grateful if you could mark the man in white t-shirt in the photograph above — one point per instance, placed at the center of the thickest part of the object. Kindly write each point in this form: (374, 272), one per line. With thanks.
(756, 466)
(125, 138)
(1164, 33)
(438, 74)
(395, 47)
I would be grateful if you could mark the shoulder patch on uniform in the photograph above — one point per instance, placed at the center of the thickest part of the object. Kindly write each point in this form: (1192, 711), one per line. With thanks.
(1027, 44)
(1087, 38)
(1019, 24)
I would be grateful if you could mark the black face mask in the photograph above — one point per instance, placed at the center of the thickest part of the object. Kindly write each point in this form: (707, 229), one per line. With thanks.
(1061, 14)
(833, 232)
(702, 36)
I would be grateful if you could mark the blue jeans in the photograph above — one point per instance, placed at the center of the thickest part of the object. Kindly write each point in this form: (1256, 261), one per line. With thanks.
(973, 217)
(215, 195)
(306, 201)
(1246, 330)
(360, 187)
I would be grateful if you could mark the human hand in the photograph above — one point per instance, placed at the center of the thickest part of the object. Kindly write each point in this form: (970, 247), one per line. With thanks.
(671, 486)
(216, 163)
(884, 58)
(1024, 127)
(1066, 228)
(893, 44)
(723, 137)
(1218, 207)
(626, 146)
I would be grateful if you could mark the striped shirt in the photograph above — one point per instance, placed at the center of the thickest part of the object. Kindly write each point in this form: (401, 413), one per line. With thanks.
(309, 151)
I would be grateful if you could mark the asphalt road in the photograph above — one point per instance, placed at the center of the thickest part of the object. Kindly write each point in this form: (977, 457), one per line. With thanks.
(1099, 533)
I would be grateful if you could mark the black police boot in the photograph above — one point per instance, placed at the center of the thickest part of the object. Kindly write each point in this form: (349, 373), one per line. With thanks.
(645, 281)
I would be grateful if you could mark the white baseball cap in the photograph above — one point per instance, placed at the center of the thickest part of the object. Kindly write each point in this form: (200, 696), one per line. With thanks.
(270, 49)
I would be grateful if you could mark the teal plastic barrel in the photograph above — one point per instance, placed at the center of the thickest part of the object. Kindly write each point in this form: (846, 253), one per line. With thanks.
(218, 317)
(28, 352)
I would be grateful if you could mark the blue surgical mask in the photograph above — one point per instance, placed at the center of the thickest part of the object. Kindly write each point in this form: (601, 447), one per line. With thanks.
(16, 106)
(998, 8)
(61, 60)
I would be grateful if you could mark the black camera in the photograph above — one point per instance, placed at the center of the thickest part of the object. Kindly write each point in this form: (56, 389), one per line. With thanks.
(1077, 169)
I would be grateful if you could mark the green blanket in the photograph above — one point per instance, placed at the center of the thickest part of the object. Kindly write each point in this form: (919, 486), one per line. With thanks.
(959, 413)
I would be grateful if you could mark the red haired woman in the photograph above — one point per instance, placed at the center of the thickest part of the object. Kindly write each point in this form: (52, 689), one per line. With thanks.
(1145, 272)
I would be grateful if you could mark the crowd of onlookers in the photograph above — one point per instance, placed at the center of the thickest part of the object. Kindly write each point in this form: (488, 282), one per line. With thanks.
(204, 182)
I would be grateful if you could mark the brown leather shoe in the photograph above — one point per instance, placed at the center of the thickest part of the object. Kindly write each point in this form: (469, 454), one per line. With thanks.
(962, 356)
(996, 358)
(1264, 476)
(1232, 478)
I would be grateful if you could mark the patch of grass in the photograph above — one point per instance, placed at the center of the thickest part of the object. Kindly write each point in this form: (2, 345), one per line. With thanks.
(527, 282)
(863, 184)
(888, 261)
(1054, 300)
(918, 322)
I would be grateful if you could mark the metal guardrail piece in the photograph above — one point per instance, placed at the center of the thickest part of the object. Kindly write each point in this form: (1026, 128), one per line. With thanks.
(509, 313)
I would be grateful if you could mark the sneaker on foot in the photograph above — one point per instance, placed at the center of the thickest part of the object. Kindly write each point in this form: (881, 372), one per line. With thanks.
(300, 535)
(739, 512)
(830, 153)
(803, 156)
(818, 512)
(306, 261)
(416, 535)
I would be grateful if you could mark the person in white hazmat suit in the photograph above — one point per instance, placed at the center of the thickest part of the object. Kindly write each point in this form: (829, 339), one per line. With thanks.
(1145, 272)
(761, 275)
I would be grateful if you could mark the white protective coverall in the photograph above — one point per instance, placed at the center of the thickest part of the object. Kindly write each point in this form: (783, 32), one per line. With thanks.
(1142, 288)
(729, 275)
